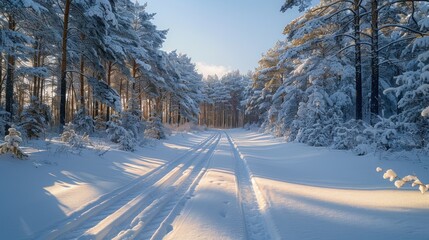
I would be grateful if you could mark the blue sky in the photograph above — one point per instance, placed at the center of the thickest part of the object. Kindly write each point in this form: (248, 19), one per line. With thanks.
(221, 35)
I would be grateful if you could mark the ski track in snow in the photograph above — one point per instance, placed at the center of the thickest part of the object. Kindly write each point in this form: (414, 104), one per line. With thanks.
(146, 208)
(155, 221)
(150, 197)
(254, 207)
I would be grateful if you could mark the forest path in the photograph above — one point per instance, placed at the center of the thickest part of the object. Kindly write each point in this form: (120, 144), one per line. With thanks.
(208, 192)
(106, 217)
(226, 204)
(238, 184)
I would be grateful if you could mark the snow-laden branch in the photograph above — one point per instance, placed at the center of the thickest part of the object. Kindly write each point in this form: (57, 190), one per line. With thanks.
(403, 27)
(394, 42)
(400, 182)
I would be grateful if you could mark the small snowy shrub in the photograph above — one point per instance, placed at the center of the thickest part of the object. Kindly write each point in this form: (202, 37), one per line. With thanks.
(347, 135)
(70, 136)
(118, 134)
(100, 123)
(400, 182)
(131, 121)
(363, 149)
(127, 141)
(155, 129)
(83, 123)
(35, 118)
(11, 144)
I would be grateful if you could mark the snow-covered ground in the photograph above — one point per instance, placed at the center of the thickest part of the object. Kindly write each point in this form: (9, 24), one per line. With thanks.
(232, 184)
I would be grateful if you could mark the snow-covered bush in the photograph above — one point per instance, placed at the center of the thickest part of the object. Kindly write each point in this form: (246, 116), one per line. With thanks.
(70, 136)
(400, 182)
(363, 149)
(118, 134)
(11, 144)
(131, 121)
(35, 118)
(83, 123)
(100, 123)
(347, 135)
(391, 135)
(155, 129)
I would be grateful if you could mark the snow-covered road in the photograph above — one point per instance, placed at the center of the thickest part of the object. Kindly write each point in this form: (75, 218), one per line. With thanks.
(210, 179)
(232, 184)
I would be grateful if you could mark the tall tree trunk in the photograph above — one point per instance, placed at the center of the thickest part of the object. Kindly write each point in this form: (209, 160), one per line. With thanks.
(109, 74)
(82, 78)
(178, 116)
(36, 64)
(170, 109)
(63, 81)
(10, 76)
(374, 62)
(358, 60)
(41, 80)
(72, 101)
(1, 75)
(133, 88)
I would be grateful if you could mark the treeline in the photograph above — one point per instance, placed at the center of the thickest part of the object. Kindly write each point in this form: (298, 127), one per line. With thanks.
(223, 105)
(84, 61)
(351, 74)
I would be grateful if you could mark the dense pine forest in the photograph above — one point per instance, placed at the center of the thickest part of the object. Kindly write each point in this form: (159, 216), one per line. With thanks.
(99, 64)
(349, 74)
(352, 74)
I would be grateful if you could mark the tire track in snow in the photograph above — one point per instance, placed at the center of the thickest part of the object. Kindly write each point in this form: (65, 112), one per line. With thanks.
(76, 225)
(154, 222)
(255, 209)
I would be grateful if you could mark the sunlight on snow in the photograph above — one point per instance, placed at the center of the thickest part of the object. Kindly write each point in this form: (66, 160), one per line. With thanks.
(387, 200)
(72, 192)
(175, 146)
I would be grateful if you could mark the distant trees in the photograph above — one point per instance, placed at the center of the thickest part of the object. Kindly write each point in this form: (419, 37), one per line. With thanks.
(223, 105)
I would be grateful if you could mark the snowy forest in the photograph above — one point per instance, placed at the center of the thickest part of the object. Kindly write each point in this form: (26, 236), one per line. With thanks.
(122, 139)
(349, 74)
(98, 65)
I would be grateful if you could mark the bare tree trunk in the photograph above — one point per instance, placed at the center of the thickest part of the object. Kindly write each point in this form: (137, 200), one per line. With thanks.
(358, 60)
(127, 90)
(72, 101)
(109, 74)
(82, 78)
(178, 116)
(1, 75)
(374, 62)
(63, 81)
(40, 62)
(35, 64)
(10, 76)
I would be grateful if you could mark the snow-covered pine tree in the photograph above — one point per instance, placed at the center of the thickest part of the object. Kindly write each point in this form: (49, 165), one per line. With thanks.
(11, 144)
(412, 89)
(154, 129)
(15, 42)
(83, 123)
(269, 75)
(35, 118)
(187, 89)
(131, 120)
(118, 134)
(70, 136)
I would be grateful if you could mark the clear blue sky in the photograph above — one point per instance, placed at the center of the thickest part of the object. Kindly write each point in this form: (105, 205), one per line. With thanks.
(221, 34)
